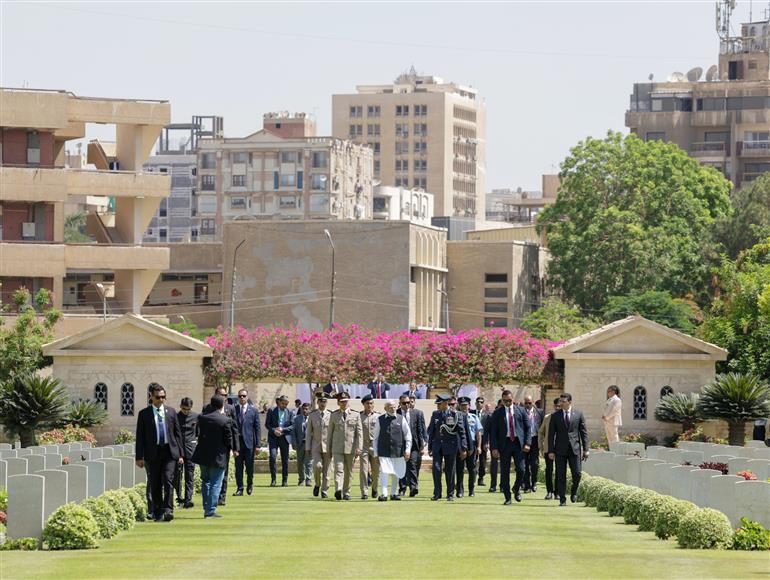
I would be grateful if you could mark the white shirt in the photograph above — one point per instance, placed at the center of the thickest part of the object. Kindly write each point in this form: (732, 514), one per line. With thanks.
(404, 430)
(510, 420)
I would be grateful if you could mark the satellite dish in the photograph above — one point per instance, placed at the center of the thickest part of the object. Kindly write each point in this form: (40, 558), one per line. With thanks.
(676, 77)
(694, 74)
(712, 74)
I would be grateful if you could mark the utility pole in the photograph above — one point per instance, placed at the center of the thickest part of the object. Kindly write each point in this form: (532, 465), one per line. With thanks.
(232, 286)
(331, 301)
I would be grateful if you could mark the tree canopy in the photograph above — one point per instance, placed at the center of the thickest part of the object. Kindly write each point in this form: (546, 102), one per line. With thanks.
(557, 320)
(660, 307)
(749, 223)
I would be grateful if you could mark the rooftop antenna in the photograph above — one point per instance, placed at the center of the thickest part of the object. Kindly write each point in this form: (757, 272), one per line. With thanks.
(694, 74)
(724, 10)
(712, 72)
(650, 77)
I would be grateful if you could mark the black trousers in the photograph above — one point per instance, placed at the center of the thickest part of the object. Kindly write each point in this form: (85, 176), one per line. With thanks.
(245, 459)
(550, 481)
(223, 491)
(283, 445)
(482, 463)
(412, 477)
(449, 469)
(184, 481)
(160, 482)
(531, 464)
(511, 452)
(575, 467)
(470, 463)
(494, 469)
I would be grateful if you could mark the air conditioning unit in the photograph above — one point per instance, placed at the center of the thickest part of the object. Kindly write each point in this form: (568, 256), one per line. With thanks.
(28, 230)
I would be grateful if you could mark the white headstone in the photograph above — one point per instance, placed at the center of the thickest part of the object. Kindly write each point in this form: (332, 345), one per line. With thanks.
(681, 481)
(722, 496)
(760, 468)
(126, 471)
(648, 474)
(760, 453)
(38, 449)
(23, 451)
(693, 457)
(600, 463)
(85, 444)
(64, 449)
(95, 477)
(129, 448)
(50, 449)
(8, 453)
(77, 482)
(635, 449)
(35, 463)
(700, 486)
(5, 446)
(662, 481)
(722, 458)
(75, 446)
(107, 452)
(52, 460)
(111, 473)
(737, 464)
(16, 466)
(755, 444)
(55, 490)
(3, 475)
(633, 471)
(92, 454)
(653, 451)
(619, 468)
(753, 501)
(25, 506)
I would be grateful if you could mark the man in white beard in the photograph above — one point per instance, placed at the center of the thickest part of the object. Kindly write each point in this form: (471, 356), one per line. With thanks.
(391, 443)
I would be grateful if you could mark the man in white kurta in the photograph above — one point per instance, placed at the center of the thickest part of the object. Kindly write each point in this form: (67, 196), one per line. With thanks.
(391, 444)
(613, 409)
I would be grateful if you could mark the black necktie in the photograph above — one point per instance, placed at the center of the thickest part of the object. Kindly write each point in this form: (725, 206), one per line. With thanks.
(566, 419)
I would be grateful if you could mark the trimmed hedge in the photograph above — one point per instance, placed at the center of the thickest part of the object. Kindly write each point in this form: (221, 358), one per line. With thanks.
(705, 529)
(616, 498)
(597, 485)
(24, 544)
(633, 504)
(648, 513)
(124, 509)
(71, 527)
(138, 502)
(669, 515)
(104, 514)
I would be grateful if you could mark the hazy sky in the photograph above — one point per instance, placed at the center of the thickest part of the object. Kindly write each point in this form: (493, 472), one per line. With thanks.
(551, 73)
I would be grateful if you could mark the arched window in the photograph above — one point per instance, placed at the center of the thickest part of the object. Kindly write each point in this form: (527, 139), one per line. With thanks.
(666, 391)
(640, 403)
(150, 387)
(127, 400)
(100, 394)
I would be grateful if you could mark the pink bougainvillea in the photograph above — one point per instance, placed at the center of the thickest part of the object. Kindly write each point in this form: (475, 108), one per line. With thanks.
(355, 354)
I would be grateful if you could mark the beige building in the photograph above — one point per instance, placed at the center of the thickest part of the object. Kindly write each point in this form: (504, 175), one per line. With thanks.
(505, 205)
(35, 185)
(281, 172)
(724, 120)
(646, 360)
(426, 134)
(494, 284)
(116, 363)
(387, 274)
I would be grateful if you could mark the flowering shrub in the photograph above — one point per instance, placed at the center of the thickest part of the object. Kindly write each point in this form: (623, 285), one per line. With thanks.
(648, 512)
(600, 444)
(747, 475)
(67, 434)
(104, 514)
(751, 536)
(125, 436)
(723, 467)
(648, 440)
(124, 509)
(704, 529)
(71, 527)
(24, 544)
(65, 460)
(697, 434)
(354, 354)
(3, 500)
(669, 515)
(632, 507)
(3, 518)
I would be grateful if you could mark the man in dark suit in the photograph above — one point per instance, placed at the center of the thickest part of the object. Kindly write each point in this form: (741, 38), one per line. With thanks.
(216, 439)
(483, 415)
(413, 391)
(304, 460)
(158, 450)
(280, 426)
(378, 388)
(229, 411)
(510, 439)
(185, 473)
(416, 421)
(446, 439)
(532, 457)
(567, 443)
(249, 436)
(333, 387)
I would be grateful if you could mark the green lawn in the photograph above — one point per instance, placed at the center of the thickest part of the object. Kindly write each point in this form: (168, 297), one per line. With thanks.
(278, 533)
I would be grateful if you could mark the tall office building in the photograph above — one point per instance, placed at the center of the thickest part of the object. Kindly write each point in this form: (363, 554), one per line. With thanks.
(425, 134)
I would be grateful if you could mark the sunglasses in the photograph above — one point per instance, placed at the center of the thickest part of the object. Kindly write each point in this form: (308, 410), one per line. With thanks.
(159, 397)
(242, 396)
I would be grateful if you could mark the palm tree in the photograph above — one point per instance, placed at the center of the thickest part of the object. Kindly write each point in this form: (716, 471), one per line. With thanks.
(736, 398)
(85, 413)
(28, 403)
(679, 408)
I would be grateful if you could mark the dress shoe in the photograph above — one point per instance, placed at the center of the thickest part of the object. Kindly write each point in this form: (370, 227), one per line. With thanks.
(534, 489)
(413, 493)
(300, 482)
(517, 497)
(338, 495)
(526, 490)
(549, 495)
(272, 483)
(507, 502)
(573, 498)
(450, 498)
(481, 483)
(401, 491)
(158, 518)
(395, 498)
(214, 515)
(460, 494)
(364, 497)
(492, 489)
(346, 497)
(188, 504)
(238, 492)
(374, 495)
(284, 483)
(221, 501)
(562, 503)
(168, 516)
(382, 498)
(324, 495)
(471, 494)
(435, 498)
(315, 490)
(250, 489)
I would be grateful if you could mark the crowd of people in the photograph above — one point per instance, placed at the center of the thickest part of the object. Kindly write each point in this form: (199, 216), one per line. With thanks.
(464, 445)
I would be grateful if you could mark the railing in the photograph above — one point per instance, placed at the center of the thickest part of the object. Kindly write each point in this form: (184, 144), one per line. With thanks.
(765, 145)
(751, 176)
(709, 147)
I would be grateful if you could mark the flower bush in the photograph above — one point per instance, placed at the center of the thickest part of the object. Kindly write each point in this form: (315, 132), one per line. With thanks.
(104, 515)
(125, 436)
(704, 529)
(3, 518)
(751, 536)
(648, 513)
(124, 509)
(71, 527)
(747, 475)
(25, 544)
(632, 507)
(718, 466)
(648, 440)
(669, 515)
(600, 444)
(67, 434)
(3, 500)
(697, 434)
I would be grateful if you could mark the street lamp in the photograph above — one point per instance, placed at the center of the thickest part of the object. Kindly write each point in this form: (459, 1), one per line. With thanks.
(446, 306)
(232, 286)
(331, 301)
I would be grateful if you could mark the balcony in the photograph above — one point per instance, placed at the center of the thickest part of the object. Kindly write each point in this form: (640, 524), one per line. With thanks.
(32, 259)
(754, 149)
(117, 183)
(718, 149)
(115, 257)
(32, 184)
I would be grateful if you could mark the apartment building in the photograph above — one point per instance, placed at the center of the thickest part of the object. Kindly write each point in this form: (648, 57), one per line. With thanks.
(723, 120)
(283, 171)
(518, 206)
(424, 134)
(399, 203)
(35, 185)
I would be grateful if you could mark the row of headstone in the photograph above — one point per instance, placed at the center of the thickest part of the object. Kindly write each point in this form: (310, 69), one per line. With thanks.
(752, 450)
(38, 483)
(626, 448)
(730, 494)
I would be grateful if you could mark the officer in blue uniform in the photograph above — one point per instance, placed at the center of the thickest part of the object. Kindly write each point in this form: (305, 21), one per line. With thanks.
(473, 434)
(446, 440)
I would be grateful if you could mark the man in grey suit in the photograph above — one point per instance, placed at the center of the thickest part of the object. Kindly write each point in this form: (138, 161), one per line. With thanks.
(304, 459)
(532, 457)
(567, 443)
(416, 421)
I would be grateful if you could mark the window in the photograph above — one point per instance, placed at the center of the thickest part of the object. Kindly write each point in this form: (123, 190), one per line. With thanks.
(237, 203)
(402, 130)
(288, 157)
(421, 129)
(373, 111)
(287, 202)
(420, 147)
(495, 292)
(163, 209)
(355, 130)
(239, 181)
(208, 183)
(495, 323)
(33, 148)
(402, 110)
(379, 205)
(402, 148)
(288, 180)
(318, 181)
(163, 234)
(320, 159)
(496, 307)
(640, 403)
(496, 278)
(376, 165)
(208, 161)
(373, 130)
(127, 400)
(420, 164)
(100, 394)
(402, 165)
(319, 203)
(208, 227)
(240, 157)
(356, 111)
(655, 136)
(421, 182)
(666, 391)
(376, 147)
(163, 170)
(194, 234)
(207, 204)
(420, 110)
(193, 171)
(402, 182)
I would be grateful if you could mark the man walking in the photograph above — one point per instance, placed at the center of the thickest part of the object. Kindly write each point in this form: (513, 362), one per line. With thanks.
(415, 419)
(612, 416)
(230, 413)
(542, 435)
(249, 436)
(510, 440)
(392, 442)
(184, 477)
(346, 439)
(317, 445)
(215, 441)
(532, 457)
(158, 451)
(481, 460)
(304, 461)
(280, 425)
(567, 444)
(368, 466)
(446, 439)
(474, 432)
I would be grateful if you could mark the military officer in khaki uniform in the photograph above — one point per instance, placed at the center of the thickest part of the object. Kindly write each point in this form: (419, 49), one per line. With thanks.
(368, 463)
(345, 439)
(318, 446)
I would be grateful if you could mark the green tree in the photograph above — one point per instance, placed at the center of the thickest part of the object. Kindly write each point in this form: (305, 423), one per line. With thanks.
(85, 413)
(657, 306)
(679, 408)
(21, 344)
(75, 229)
(30, 403)
(631, 216)
(736, 398)
(749, 223)
(739, 317)
(556, 320)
